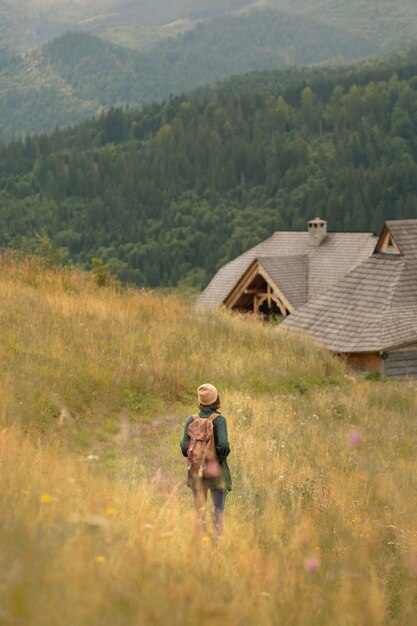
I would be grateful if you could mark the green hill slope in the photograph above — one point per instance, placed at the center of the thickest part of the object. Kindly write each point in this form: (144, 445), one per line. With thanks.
(170, 193)
(97, 523)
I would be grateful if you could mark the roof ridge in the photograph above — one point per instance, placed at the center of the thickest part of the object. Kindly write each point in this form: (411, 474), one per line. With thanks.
(330, 232)
(281, 256)
(407, 221)
(396, 284)
(352, 232)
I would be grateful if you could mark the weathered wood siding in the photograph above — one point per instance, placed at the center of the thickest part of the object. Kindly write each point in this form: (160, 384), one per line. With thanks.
(364, 361)
(400, 364)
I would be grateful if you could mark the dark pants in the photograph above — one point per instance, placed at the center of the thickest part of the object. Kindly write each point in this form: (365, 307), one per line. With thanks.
(218, 501)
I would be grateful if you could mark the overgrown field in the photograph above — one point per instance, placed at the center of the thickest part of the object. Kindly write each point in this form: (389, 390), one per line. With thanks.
(96, 525)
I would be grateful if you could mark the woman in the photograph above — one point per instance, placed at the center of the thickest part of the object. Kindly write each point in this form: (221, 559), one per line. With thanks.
(205, 444)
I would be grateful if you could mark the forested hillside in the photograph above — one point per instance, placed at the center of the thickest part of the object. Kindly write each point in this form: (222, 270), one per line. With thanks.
(170, 193)
(122, 62)
(76, 75)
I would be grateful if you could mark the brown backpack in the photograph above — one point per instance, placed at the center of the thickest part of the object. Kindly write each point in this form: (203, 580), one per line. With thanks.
(202, 459)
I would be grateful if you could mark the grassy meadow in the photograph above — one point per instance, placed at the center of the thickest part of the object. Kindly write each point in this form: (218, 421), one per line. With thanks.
(96, 524)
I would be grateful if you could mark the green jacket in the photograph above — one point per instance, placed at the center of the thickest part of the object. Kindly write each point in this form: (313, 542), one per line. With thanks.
(221, 441)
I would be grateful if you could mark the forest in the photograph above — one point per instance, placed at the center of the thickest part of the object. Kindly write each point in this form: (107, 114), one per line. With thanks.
(166, 195)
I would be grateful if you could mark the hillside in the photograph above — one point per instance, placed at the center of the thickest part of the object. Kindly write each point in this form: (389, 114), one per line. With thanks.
(97, 523)
(37, 21)
(34, 22)
(167, 195)
(146, 59)
(76, 75)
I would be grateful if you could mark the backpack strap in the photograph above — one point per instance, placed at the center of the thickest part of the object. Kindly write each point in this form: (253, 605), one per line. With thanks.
(212, 416)
(192, 442)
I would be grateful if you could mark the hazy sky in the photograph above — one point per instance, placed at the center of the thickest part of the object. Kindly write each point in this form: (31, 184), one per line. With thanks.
(39, 5)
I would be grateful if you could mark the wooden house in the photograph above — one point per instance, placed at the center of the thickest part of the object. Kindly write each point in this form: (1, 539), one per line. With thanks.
(287, 270)
(370, 314)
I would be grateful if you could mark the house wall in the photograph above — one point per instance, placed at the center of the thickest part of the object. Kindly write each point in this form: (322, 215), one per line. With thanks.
(365, 361)
(400, 363)
(397, 364)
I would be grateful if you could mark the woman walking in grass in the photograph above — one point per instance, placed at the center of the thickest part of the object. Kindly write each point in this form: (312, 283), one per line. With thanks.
(206, 446)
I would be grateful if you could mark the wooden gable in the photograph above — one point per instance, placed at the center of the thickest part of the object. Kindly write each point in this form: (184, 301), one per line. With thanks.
(386, 243)
(257, 292)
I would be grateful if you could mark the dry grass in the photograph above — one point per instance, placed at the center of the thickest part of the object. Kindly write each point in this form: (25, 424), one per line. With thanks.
(321, 522)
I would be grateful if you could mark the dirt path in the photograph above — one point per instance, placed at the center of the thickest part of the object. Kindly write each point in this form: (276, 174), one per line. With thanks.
(150, 450)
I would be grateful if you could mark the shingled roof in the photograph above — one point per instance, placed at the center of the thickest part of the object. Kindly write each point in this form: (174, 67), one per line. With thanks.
(404, 233)
(374, 307)
(291, 274)
(324, 265)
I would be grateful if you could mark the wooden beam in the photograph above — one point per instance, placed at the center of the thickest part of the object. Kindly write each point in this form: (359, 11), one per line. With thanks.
(259, 299)
(258, 292)
(243, 288)
(280, 305)
(273, 298)
(276, 290)
(241, 285)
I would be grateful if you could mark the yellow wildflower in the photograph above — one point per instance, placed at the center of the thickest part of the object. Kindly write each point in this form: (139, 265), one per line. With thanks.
(45, 498)
(100, 559)
(111, 511)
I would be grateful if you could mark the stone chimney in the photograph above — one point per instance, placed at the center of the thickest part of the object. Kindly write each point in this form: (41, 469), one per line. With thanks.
(317, 231)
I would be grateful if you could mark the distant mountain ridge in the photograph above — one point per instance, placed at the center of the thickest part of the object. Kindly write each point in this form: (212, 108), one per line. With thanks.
(78, 75)
(38, 21)
(33, 22)
(138, 51)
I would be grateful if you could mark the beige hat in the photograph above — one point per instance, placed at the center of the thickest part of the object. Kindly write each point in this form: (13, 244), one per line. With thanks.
(207, 394)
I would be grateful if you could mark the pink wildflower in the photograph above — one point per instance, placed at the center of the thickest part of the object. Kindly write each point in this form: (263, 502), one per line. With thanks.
(312, 564)
(413, 565)
(354, 438)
